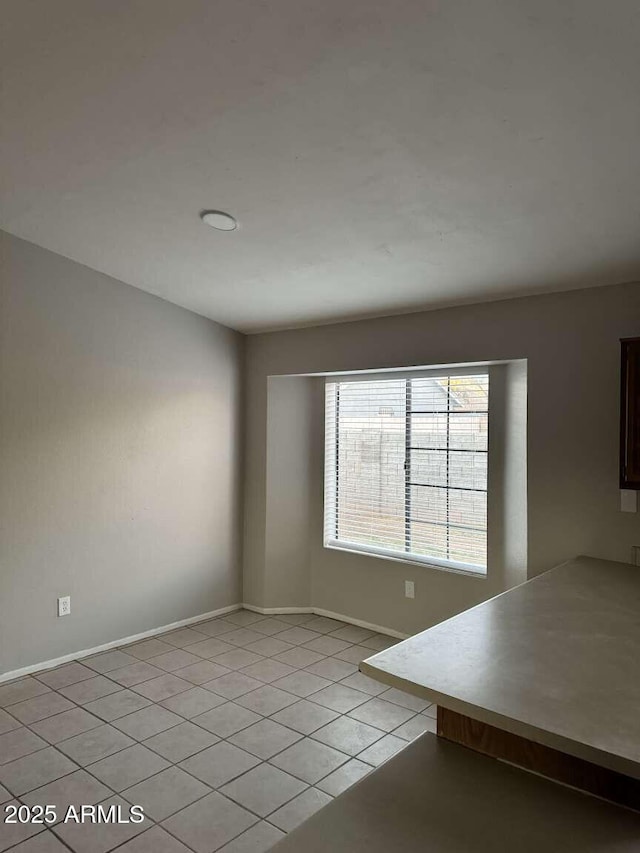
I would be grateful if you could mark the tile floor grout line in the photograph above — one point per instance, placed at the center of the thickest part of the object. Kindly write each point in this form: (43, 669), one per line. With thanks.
(48, 746)
(193, 721)
(78, 765)
(296, 699)
(47, 827)
(302, 737)
(177, 764)
(73, 850)
(228, 841)
(155, 824)
(165, 672)
(232, 778)
(29, 837)
(273, 811)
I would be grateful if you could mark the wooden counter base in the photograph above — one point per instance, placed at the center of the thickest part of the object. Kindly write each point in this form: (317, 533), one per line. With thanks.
(541, 759)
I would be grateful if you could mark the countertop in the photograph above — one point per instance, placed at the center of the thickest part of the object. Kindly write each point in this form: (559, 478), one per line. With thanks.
(555, 660)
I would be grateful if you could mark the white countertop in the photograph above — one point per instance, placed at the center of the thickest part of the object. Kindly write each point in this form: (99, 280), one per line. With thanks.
(555, 660)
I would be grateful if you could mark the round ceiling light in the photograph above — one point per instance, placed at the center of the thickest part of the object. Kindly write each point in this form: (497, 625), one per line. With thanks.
(219, 220)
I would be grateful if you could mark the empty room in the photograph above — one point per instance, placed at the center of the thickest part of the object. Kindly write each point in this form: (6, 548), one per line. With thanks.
(320, 426)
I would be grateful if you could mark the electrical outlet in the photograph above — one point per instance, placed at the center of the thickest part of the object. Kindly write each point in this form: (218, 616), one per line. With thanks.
(64, 605)
(409, 589)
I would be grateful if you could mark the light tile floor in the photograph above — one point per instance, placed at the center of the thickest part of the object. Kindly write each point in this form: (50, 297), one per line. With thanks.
(228, 733)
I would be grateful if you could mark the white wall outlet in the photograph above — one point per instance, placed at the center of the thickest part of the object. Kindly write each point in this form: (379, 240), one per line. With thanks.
(64, 605)
(409, 589)
(628, 500)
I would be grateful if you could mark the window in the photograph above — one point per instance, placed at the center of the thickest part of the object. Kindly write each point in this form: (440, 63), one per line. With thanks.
(406, 468)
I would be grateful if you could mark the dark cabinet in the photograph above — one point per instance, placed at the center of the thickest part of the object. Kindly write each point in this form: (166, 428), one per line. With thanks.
(630, 415)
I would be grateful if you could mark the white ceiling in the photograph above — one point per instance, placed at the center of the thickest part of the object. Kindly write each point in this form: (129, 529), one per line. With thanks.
(380, 155)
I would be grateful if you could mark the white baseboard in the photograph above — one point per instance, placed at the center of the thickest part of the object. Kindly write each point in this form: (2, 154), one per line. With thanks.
(379, 629)
(125, 641)
(193, 620)
(274, 611)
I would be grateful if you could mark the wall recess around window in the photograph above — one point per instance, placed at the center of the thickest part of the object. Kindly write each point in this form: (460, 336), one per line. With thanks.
(630, 414)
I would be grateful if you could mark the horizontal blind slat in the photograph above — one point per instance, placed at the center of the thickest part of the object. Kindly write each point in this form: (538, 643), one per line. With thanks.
(366, 495)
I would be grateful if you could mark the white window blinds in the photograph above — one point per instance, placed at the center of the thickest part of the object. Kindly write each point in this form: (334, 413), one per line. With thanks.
(406, 468)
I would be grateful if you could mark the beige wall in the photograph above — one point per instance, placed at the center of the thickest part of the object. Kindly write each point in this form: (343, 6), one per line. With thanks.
(120, 431)
(570, 341)
(120, 452)
(289, 484)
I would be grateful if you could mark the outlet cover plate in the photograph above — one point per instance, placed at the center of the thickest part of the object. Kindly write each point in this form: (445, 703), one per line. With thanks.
(64, 605)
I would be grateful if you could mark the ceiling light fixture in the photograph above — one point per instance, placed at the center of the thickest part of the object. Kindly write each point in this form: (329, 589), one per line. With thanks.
(219, 220)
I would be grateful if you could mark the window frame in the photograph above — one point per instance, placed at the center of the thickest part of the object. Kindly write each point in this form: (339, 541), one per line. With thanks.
(331, 478)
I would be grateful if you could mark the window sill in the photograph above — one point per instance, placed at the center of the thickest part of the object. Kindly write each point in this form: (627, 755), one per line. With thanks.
(453, 568)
